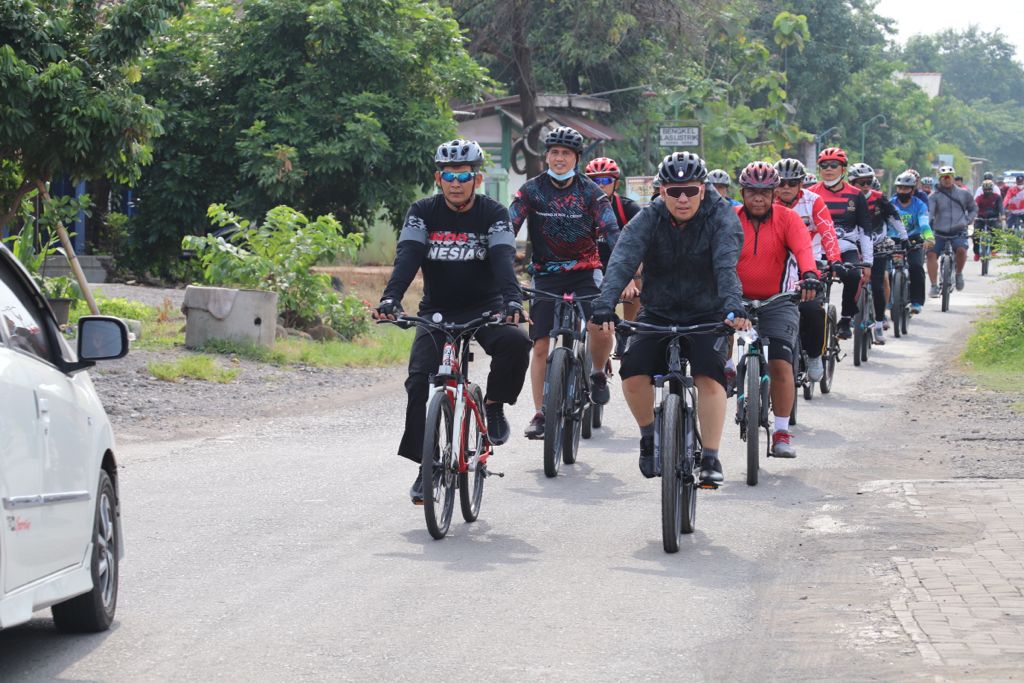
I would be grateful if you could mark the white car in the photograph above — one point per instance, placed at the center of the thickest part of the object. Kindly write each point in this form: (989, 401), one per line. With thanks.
(60, 539)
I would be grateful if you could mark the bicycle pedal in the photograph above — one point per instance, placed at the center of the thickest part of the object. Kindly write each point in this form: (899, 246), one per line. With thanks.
(488, 473)
(708, 485)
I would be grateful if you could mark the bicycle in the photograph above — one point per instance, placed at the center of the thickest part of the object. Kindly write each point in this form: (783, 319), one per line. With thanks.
(986, 227)
(899, 301)
(753, 384)
(832, 352)
(568, 410)
(803, 383)
(863, 322)
(677, 445)
(946, 265)
(456, 446)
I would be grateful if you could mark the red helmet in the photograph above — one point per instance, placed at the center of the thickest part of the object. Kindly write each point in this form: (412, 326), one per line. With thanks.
(759, 174)
(833, 154)
(603, 166)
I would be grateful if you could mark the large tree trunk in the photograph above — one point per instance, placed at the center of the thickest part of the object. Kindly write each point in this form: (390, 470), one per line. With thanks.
(526, 85)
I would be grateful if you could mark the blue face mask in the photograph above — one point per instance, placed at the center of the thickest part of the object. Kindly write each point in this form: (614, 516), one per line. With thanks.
(562, 177)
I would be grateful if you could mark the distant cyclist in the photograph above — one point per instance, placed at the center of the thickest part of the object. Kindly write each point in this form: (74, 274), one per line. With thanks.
(464, 245)
(914, 214)
(987, 175)
(927, 185)
(565, 213)
(722, 183)
(952, 209)
(810, 180)
(824, 243)
(1013, 204)
(773, 238)
(990, 212)
(689, 241)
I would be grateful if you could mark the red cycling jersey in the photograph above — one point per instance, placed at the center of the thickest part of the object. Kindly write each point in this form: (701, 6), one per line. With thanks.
(815, 215)
(766, 265)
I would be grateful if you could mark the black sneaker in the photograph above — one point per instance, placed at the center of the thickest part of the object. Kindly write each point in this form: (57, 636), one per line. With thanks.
(416, 492)
(536, 428)
(497, 426)
(599, 388)
(711, 470)
(648, 467)
(844, 331)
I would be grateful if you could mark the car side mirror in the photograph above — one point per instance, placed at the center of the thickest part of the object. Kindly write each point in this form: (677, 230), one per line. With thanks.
(101, 337)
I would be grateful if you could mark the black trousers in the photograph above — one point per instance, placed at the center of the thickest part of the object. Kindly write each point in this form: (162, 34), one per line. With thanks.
(509, 349)
(850, 284)
(812, 327)
(878, 270)
(915, 262)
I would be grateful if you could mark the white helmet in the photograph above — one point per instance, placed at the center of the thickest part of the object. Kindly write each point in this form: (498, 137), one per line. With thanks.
(861, 170)
(719, 177)
(946, 170)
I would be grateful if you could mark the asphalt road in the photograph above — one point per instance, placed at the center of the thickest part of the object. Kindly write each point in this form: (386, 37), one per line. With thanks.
(289, 551)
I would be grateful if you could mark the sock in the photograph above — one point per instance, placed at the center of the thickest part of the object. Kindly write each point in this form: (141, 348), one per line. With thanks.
(711, 453)
(879, 325)
(781, 424)
(647, 430)
(730, 364)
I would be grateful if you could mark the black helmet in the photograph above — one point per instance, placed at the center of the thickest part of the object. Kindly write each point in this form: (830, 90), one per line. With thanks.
(459, 153)
(564, 136)
(988, 175)
(681, 167)
(790, 169)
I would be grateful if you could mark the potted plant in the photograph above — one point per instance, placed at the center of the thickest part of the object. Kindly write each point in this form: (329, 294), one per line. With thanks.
(61, 292)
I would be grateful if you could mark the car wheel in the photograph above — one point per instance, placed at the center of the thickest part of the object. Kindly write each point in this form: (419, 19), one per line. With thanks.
(94, 611)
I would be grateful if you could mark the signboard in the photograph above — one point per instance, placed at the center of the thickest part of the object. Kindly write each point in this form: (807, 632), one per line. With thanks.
(639, 188)
(680, 136)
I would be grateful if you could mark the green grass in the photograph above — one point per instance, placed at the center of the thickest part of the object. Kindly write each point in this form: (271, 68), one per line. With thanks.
(195, 366)
(995, 348)
(121, 308)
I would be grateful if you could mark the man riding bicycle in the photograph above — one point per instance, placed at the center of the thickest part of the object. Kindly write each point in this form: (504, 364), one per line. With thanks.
(565, 213)
(464, 245)
(688, 241)
(914, 214)
(824, 243)
(720, 180)
(774, 236)
(952, 209)
(990, 212)
(1013, 204)
(850, 217)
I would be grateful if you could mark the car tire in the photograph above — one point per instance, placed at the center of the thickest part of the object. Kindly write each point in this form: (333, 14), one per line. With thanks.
(93, 612)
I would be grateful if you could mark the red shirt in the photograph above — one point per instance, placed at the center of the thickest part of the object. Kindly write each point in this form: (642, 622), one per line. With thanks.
(766, 265)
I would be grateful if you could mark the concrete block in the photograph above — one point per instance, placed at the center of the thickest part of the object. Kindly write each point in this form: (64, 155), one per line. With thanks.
(242, 315)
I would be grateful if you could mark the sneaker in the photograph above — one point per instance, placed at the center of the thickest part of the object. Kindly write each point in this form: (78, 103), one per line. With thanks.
(536, 428)
(730, 381)
(885, 323)
(498, 430)
(711, 470)
(915, 309)
(879, 336)
(935, 293)
(416, 491)
(815, 369)
(844, 331)
(959, 282)
(599, 388)
(977, 257)
(648, 467)
(782, 445)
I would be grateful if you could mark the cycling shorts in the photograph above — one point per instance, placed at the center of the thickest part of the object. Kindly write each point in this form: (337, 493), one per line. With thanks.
(959, 242)
(542, 311)
(780, 323)
(648, 354)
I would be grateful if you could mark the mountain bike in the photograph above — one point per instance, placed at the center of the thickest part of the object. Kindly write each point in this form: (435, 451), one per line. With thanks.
(985, 235)
(456, 447)
(803, 383)
(899, 300)
(863, 323)
(753, 385)
(677, 445)
(947, 264)
(568, 409)
(832, 353)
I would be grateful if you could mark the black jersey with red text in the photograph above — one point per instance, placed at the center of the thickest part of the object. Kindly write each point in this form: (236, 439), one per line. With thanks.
(850, 216)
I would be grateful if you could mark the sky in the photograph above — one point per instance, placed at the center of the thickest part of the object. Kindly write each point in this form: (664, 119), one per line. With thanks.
(937, 15)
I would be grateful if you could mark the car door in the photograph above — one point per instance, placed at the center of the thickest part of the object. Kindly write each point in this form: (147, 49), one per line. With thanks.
(62, 505)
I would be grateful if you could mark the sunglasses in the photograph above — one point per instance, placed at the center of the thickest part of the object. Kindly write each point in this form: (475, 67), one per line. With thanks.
(861, 183)
(676, 191)
(830, 164)
(605, 180)
(464, 177)
(791, 183)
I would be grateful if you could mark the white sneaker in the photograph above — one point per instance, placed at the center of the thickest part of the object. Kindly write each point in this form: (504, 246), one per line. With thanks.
(879, 335)
(815, 369)
(935, 293)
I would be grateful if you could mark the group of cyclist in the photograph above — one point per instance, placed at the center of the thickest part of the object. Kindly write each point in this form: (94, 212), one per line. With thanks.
(691, 256)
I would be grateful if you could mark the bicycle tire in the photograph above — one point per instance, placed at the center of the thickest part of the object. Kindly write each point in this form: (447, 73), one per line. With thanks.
(858, 340)
(439, 500)
(799, 365)
(554, 400)
(986, 255)
(672, 483)
(598, 415)
(831, 351)
(471, 484)
(947, 284)
(753, 420)
(898, 304)
(574, 410)
(587, 426)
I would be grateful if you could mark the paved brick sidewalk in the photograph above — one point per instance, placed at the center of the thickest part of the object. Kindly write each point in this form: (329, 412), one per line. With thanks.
(964, 605)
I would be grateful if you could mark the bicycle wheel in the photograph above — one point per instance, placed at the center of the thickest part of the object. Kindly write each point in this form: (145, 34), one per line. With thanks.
(675, 512)
(439, 464)
(799, 373)
(898, 304)
(598, 416)
(947, 281)
(574, 410)
(471, 484)
(554, 402)
(587, 424)
(753, 419)
(858, 337)
(831, 350)
(986, 254)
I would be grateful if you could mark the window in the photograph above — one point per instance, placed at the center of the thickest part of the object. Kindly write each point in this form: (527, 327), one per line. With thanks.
(23, 324)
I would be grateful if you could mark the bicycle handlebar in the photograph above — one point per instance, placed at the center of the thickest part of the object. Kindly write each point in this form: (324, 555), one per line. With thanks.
(680, 330)
(407, 321)
(755, 304)
(535, 293)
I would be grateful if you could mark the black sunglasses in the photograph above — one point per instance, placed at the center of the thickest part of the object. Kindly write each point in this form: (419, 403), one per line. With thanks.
(861, 182)
(676, 191)
(464, 177)
(830, 164)
(791, 183)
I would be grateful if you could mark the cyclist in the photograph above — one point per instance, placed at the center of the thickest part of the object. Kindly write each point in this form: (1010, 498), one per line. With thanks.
(987, 175)
(914, 214)
(990, 207)
(850, 216)
(952, 209)
(810, 180)
(927, 185)
(884, 220)
(688, 240)
(565, 213)
(465, 246)
(815, 216)
(773, 237)
(721, 181)
(605, 172)
(918, 192)
(1013, 204)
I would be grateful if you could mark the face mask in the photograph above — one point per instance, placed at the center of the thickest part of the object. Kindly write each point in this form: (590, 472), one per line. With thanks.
(832, 183)
(562, 177)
